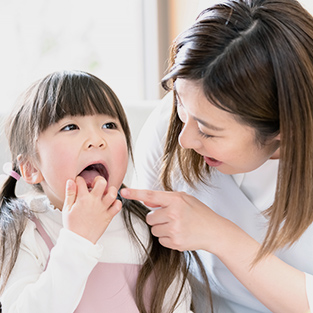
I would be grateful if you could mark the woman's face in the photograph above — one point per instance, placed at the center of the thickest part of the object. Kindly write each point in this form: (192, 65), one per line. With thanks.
(226, 144)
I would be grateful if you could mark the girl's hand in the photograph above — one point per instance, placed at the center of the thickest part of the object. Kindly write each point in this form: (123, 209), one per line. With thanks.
(180, 221)
(88, 213)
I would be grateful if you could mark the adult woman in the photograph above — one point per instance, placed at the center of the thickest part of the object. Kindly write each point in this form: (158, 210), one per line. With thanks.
(242, 80)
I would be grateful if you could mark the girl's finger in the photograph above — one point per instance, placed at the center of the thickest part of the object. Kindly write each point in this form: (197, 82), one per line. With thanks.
(81, 185)
(110, 197)
(98, 186)
(70, 195)
(115, 208)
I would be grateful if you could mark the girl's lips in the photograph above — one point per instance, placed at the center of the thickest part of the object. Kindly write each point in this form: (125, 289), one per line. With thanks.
(212, 162)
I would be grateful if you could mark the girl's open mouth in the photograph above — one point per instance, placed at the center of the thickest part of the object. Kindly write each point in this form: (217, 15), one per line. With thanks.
(92, 171)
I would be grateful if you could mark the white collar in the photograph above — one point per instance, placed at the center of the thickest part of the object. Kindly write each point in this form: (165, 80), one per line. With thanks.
(259, 185)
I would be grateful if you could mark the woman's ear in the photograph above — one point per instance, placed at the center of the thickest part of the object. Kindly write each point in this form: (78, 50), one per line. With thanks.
(29, 172)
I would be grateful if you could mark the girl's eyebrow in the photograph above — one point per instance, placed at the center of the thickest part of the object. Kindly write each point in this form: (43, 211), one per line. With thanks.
(204, 123)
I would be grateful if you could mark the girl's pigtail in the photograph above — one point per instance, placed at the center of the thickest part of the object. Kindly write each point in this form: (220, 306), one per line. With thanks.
(13, 218)
(9, 203)
(162, 266)
(8, 191)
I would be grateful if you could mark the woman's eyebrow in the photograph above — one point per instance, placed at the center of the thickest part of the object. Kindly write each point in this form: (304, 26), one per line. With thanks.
(207, 125)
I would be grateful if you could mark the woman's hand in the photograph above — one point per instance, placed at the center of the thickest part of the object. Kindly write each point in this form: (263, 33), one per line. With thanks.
(184, 223)
(179, 220)
(88, 213)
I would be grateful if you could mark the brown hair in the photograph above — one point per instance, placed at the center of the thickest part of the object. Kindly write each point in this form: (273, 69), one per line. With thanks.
(46, 102)
(254, 59)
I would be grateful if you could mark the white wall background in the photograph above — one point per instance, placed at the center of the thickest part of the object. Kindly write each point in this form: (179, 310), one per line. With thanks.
(124, 42)
(102, 37)
(106, 38)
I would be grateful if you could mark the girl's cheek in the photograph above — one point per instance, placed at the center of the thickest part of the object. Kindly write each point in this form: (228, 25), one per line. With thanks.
(121, 153)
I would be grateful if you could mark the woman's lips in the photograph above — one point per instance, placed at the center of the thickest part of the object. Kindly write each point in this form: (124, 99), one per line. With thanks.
(212, 162)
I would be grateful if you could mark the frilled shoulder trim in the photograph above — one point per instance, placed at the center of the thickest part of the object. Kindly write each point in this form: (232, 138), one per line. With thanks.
(39, 204)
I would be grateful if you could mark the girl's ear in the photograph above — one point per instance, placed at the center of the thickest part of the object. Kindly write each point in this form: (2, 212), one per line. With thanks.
(29, 172)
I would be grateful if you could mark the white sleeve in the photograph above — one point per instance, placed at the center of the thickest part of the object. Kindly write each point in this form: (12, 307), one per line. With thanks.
(59, 288)
(149, 146)
(309, 289)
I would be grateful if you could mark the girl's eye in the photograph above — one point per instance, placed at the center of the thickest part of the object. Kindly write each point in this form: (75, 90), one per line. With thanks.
(70, 127)
(110, 125)
(204, 135)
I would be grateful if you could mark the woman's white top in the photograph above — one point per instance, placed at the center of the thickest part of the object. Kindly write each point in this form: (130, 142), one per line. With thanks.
(240, 198)
(58, 288)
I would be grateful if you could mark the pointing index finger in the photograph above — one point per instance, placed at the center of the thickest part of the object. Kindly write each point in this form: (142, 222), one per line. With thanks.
(150, 198)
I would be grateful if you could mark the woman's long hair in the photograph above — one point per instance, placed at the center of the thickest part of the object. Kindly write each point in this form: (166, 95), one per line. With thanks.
(254, 59)
(46, 102)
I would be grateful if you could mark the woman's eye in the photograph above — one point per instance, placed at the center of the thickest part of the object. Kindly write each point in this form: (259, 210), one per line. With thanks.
(110, 125)
(70, 127)
(202, 134)
(181, 112)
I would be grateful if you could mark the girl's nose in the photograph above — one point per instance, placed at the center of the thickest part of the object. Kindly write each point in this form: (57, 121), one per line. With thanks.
(96, 141)
(187, 138)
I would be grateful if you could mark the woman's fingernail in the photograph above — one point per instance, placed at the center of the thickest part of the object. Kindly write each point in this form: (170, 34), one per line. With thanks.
(125, 192)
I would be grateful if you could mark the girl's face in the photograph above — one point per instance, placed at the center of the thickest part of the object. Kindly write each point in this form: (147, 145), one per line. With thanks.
(86, 146)
(229, 146)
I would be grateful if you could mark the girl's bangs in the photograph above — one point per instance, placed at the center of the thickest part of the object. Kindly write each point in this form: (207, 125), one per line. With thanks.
(74, 95)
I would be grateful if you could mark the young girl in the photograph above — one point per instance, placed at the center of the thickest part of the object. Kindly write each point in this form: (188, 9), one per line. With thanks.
(240, 144)
(66, 248)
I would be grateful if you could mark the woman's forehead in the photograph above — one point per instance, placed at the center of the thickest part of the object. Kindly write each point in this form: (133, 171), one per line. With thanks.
(191, 97)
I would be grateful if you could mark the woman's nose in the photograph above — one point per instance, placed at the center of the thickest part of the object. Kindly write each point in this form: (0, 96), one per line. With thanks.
(187, 138)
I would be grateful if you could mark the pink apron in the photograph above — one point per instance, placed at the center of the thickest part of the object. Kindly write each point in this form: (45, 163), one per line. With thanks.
(110, 286)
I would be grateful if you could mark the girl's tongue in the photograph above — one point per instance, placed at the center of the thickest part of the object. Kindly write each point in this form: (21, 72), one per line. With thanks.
(91, 172)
